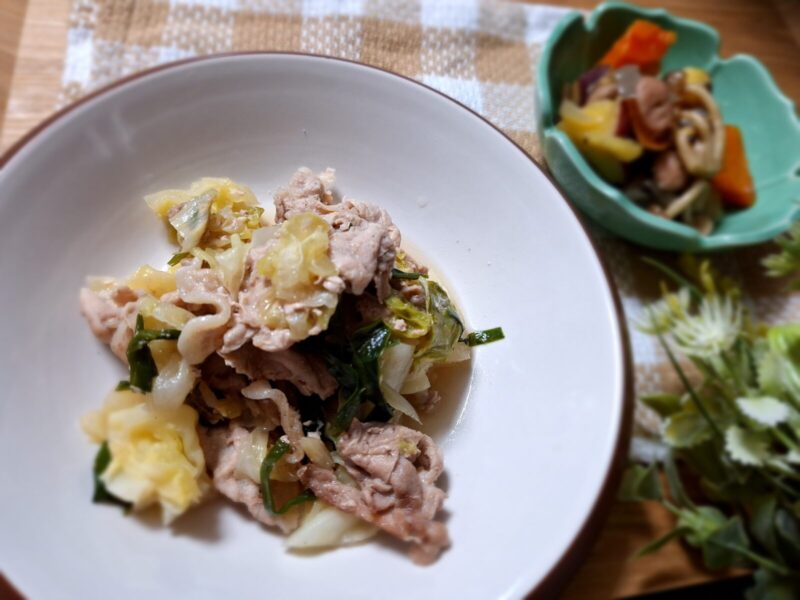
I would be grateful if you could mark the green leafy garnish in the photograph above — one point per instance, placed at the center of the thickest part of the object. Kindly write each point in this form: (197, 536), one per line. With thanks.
(101, 494)
(787, 261)
(735, 428)
(275, 453)
(398, 274)
(177, 258)
(357, 373)
(476, 338)
(140, 359)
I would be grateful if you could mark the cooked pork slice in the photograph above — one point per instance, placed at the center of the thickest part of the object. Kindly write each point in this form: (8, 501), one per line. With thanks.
(364, 241)
(111, 314)
(222, 447)
(396, 469)
(307, 372)
(202, 335)
(248, 321)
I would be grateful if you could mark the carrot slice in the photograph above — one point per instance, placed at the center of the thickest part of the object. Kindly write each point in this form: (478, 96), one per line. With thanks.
(643, 44)
(734, 182)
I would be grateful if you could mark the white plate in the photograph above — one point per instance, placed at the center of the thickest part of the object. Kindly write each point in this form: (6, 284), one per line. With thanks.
(530, 445)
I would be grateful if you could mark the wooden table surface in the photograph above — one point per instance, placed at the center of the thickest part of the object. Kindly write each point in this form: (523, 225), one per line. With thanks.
(32, 44)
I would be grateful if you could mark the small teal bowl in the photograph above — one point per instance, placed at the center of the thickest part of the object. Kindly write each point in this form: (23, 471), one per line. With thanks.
(747, 96)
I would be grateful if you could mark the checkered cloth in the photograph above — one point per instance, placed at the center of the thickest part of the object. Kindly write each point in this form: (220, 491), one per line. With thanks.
(483, 54)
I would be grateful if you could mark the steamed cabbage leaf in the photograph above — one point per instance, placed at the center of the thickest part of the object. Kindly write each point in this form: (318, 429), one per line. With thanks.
(301, 296)
(209, 213)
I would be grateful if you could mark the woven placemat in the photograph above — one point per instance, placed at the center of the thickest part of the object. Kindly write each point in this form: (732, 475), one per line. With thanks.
(483, 54)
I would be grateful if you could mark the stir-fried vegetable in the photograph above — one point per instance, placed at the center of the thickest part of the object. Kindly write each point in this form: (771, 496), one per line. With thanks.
(209, 213)
(297, 264)
(661, 138)
(487, 336)
(407, 321)
(153, 457)
(643, 44)
(142, 366)
(356, 369)
(101, 493)
(733, 181)
(275, 453)
(326, 526)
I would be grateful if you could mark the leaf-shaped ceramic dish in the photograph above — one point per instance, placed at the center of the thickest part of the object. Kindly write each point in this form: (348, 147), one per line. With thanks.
(747, 96)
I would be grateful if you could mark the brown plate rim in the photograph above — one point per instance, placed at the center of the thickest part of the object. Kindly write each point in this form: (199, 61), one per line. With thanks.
(561, 572)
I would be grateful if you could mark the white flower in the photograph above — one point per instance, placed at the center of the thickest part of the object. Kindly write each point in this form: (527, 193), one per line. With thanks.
(660, 316)
(712, 330)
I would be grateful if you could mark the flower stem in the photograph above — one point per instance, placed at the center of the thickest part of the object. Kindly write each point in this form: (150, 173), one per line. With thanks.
(689, 388)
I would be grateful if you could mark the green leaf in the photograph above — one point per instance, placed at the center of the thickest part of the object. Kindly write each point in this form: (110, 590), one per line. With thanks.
(687, 428)
(787, 261)
(398, 274)
(101, 493)
(727, 547)
(406, 321)
(673, 275)
(746, 447)
(177, 258)
(762, 523)
(640, 483)
(706, 460)
(356, 370)
(142, 366)
(701, 522)
(663, 404)
(772, 586)
(788, 531)
(275, 453)
(661, 541)
(674, 482)
(764, 410)
(487, 336)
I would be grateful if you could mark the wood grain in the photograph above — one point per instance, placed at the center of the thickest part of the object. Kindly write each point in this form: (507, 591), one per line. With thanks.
(12, 14)
(36, 76)
(32, 46)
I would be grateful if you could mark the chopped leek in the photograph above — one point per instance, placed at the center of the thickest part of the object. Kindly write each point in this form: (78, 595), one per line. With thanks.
(142, 366)
(177, 258)
(101, 494)
(273, 456)
(398, 274)
(487, 336)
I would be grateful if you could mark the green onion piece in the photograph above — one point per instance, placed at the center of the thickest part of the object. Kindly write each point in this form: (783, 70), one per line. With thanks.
(347, 412)
(273, 456)
(142, 366)
(177, 258)
(476, 338)
(398, 274)
(123, 386)
(101, 494)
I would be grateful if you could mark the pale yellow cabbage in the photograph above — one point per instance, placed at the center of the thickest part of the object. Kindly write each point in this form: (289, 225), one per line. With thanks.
(326, 526)
(152, 281)
(230, 263)
(209, 212)
(162, 315)
(297, 264)
(156, 457)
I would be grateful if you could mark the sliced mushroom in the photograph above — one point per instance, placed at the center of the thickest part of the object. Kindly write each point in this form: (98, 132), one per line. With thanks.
(700, 138)
(685, 200)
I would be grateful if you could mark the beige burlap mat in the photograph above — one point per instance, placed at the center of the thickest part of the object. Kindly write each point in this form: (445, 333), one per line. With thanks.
(483, 54)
